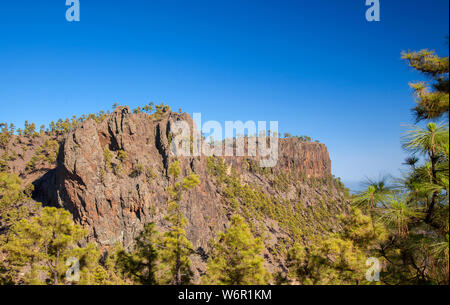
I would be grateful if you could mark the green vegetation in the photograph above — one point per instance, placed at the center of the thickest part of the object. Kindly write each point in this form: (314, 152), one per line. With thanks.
(48, 152)
(102, 174)
(107, 157)
(155, 111)
(38, 249)
(141, 265)
(47, 238)
(304, 138)
(36, 243)
(122, 156)
(339, 258)
(236, 257)
(13, 201)
(117, 169)
(254, 205)
(5, 135)
(30, 130)
(4, 158)
(176, 248)
(161, 110)
(415, 212)
(161, 258)
(138, 170)
(432, 95)
(150, 174)
(403, 223)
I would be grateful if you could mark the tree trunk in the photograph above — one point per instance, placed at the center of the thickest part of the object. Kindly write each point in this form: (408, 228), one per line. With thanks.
(178, 267)
(55, 271)
(433, 180)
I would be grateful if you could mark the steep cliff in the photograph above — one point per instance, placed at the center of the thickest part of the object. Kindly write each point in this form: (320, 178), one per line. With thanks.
(112, 176)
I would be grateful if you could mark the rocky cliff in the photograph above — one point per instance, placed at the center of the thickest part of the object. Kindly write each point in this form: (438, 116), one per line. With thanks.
(112, 176)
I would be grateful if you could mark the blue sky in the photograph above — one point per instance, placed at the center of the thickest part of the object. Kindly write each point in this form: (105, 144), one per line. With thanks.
(318, 67)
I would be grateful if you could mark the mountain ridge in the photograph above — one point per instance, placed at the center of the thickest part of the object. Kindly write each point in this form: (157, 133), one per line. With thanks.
(112, 176)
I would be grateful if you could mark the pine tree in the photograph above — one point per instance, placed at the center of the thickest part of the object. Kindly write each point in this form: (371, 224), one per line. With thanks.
(91, 271)
(416, 212)
(30, 129)
(5, 135)
(175, 246)
(374, 195)
(148, 108)
(44, 242)
(432, 142)
(141, 264)
(175, 250)
(13, 201)
(432, 96)
(236, 257)
(339, 258)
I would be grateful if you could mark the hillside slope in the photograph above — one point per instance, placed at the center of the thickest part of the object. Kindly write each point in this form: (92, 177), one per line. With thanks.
(112, 176)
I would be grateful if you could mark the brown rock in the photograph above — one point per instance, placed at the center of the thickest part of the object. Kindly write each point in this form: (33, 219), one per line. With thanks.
(115, 206)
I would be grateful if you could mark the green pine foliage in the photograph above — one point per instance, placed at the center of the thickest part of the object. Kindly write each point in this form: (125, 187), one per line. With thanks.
(236, 257)
(339, 258)
(414, 210)
(14, 202)
(46, 242)
(141, 264)
(5, 135)
(176, 248)
(254, 205)
(46, 153)
(432, 95)
(402, 222)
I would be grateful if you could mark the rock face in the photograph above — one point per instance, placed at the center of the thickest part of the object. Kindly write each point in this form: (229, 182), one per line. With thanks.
(114, 198)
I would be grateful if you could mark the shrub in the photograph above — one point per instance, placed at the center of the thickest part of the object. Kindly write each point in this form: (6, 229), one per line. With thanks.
(117, 170)
(137, 170)
(122, 156)
(107, 157)
(150, 174)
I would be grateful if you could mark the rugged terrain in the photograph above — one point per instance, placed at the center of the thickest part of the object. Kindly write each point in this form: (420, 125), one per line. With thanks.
(112, 176)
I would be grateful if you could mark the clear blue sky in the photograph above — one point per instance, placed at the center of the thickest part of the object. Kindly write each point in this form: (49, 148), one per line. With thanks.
(315, 66)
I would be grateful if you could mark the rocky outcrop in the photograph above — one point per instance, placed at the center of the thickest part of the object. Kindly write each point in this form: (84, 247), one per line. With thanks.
(114, 197)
